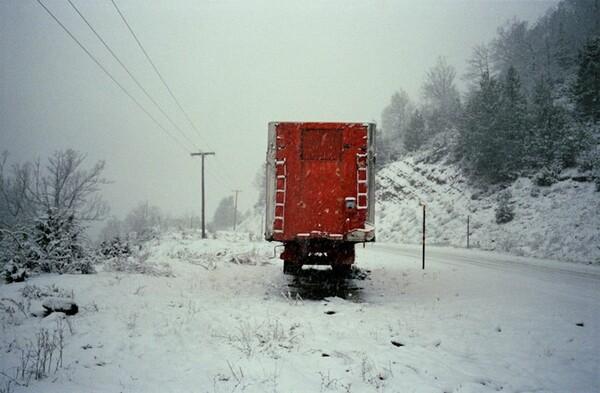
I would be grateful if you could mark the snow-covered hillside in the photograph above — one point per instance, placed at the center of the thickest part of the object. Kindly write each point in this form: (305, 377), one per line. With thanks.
(561, 221)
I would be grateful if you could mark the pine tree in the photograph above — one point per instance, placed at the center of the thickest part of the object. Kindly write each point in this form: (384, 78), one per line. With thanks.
(415, 135)
(512, 126)
(223, 218)
(479, 140)
(587, 86)
(549, 143)
(505, 211)
(57, 243)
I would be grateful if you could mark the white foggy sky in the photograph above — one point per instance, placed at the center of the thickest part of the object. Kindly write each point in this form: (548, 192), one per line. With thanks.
(234, 66)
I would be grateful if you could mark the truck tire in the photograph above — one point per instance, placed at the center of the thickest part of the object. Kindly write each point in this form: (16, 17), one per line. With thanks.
(341, 270)
(289, 267)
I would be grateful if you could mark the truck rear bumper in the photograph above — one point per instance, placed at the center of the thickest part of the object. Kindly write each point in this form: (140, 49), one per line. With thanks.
(358, 235)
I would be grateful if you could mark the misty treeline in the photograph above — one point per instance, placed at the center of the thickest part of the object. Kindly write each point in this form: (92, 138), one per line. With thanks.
(145, 222)
(532, 107)
(43, 208)
(142, 223)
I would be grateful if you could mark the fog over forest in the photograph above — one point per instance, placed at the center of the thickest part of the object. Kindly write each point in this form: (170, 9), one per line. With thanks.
(232, 66)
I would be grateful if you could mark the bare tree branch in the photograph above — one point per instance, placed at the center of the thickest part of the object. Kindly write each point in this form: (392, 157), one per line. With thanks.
(62, 185)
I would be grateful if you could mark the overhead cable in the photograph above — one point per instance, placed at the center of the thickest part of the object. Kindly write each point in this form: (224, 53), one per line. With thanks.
(158, 73)
(129, 73)
(111, 76)
(222, 168)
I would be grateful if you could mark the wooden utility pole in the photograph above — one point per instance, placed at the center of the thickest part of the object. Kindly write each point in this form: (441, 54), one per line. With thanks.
(235, 207)
(203, 154)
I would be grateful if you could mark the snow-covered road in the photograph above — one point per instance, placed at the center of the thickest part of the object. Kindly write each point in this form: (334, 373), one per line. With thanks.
(228, 320)
(546, 314)
(472, 258)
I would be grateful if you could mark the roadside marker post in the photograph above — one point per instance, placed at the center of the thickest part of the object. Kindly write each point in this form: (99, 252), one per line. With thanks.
(468, 230)
(424, 208)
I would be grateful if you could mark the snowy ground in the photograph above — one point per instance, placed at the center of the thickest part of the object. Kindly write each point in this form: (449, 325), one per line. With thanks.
(223, 318)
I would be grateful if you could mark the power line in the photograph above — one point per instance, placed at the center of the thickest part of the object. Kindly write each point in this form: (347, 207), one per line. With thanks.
(97, 62)
(223, 169)
(111, 76)
(158, 73)
(130, 74)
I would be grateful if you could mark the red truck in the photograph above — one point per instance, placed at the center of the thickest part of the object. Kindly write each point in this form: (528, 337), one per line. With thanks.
(320, 192)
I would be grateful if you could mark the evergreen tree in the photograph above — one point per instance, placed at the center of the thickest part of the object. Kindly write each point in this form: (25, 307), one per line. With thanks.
(57, 246)
(415, 135)
(549, 143)
(587, 85)
(223, 218)
(505, 211)
(479, 140)
(512, 126)
(493, 128)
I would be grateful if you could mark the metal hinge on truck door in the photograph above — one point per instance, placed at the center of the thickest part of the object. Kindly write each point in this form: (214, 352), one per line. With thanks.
(280, 190)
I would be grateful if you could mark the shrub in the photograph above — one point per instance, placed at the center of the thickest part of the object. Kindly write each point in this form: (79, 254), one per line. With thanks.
(13, 273)
(505, 211)
(115, 248)
(548, 176)
(52, 244)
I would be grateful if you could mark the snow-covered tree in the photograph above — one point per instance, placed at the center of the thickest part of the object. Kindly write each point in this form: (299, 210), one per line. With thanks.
(512, 49)
(513, 126)
(223, 217)
(479, 141)
(55, 244)
(587, 85)
(550, 143)
(42, 209)
(440, 97)
(57, 238)
(415, 135)
(394, 125)
(478, 65)
(31, 189)
(143, 220)
(505, 211)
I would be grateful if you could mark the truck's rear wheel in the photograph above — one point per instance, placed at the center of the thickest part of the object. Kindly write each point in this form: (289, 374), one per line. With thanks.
(291, 267)
(291, 256)
(341, 270)
(342, 254)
